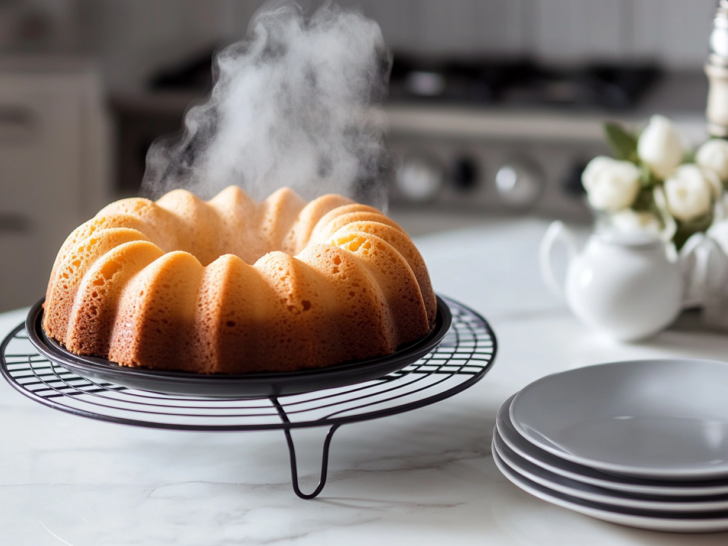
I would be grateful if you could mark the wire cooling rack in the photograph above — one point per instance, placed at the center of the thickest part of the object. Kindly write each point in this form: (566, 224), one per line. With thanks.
(463, 357)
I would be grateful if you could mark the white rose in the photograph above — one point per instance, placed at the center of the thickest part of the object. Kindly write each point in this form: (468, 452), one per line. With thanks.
(610, 185)
(713, 155)
(688, 193)
(716, 187)
(630, 221)
(659, 146)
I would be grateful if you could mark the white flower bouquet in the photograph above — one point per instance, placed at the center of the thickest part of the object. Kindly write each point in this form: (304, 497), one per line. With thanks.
(655, 184)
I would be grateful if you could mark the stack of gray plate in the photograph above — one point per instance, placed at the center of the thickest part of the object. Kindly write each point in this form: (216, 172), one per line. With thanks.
(640, 443)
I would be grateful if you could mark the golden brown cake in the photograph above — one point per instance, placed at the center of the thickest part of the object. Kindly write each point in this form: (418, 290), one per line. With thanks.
(232, 285)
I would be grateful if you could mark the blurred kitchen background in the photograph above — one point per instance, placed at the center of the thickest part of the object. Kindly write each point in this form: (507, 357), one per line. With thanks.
(495, 106)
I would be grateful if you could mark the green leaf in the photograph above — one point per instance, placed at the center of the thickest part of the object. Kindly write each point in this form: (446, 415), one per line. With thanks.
(686, 229)
(622, 142)
(689, 156)
(647, 177)
(645, 201)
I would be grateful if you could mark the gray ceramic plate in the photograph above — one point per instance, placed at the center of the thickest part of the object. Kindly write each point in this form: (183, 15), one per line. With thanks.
(585, 474)
(662, 419)
(643, 519)
(608, 497)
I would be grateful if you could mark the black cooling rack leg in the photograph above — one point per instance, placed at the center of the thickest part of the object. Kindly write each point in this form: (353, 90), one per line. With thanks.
(324, 464)
(292, 454)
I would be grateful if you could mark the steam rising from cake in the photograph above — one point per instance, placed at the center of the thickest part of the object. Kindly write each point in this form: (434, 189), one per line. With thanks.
(293, 105)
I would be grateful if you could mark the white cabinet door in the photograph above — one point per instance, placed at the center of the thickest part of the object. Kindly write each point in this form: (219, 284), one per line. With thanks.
(43, 175)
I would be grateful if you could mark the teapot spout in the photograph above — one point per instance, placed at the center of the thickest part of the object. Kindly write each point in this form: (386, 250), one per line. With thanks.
(687, 252)
(703, 263)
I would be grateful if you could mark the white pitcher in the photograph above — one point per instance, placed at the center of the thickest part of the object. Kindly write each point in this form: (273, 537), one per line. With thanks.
(629, 285)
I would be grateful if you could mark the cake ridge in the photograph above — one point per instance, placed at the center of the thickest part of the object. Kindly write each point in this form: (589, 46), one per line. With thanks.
(232, 285)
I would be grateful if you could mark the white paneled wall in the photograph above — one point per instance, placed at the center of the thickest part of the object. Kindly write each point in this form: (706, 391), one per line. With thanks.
(135, 36)
(399, 20)
(570, 30)
(674, 31)
(466, 27)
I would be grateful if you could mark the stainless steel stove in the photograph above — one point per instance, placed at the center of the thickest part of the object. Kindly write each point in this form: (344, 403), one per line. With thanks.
(490, 161)
(513, 138)
(475, 138)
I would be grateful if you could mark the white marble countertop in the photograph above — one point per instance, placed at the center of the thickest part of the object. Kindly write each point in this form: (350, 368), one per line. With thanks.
(425, 477)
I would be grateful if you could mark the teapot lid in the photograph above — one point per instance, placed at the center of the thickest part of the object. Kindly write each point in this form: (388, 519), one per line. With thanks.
(633, 239)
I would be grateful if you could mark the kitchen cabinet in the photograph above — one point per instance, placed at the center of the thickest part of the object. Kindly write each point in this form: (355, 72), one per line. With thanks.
(53, 167)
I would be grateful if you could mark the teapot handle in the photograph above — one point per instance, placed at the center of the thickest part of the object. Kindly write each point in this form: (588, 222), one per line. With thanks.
(556, 232)
(695, 260)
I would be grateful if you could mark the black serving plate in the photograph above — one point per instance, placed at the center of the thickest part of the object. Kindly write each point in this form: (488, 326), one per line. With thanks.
(251, 385)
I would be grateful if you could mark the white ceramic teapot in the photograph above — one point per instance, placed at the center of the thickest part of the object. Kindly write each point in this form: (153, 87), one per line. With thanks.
(629, 285)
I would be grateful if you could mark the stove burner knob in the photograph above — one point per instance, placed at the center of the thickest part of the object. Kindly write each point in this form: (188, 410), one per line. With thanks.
(465, 174)
(519, 185)
(419, 179)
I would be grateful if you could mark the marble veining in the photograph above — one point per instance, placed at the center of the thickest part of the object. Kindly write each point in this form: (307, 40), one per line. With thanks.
(424, 477)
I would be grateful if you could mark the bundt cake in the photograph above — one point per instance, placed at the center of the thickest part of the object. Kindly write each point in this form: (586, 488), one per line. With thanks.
(232, 285)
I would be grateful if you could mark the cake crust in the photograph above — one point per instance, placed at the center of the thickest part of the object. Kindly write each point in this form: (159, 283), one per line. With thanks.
(232, 285)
